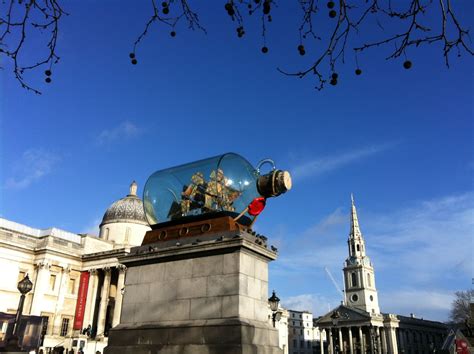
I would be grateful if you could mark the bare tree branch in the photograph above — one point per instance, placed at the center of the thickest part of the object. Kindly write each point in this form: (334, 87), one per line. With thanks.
(22, 19)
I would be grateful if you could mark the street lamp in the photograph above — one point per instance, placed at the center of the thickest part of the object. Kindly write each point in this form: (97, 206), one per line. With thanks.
(274, 301)
(24, 286)
(335, 319)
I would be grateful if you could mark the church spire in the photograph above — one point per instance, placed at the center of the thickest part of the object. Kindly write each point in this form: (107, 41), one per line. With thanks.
(359, 276)
(355, 229)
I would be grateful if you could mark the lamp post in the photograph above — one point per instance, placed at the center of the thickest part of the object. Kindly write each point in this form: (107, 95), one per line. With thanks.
(335, 320)
(24, 286)
(274, 301)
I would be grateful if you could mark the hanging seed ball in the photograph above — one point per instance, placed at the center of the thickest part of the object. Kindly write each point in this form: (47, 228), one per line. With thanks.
(131, 55)
(228, 6)
(134, 61)
(358, 71)
(334, 76)
(257, 1)
(48, 80)
(302, 52)
(249, 6)
(269, 18)
(333, 82)
(264, 50)
(164, 4)
(166, 10)
(48, 72)
(300, 47)
(330, 4)
(266, 7)
(332, 13)
(173, 34)
(407, 64)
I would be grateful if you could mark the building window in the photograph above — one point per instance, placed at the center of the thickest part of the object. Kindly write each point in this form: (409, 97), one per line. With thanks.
(369, 282)
(64, 327)
(295, 343)
(353, 249)
(106, 234)
(358, 248)
(52, 282)
(354, 298)
(354, 279)
(301, 332)
(302, 344)
(71, 287)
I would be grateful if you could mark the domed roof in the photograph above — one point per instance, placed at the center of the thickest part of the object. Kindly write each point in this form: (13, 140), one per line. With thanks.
(128, 209)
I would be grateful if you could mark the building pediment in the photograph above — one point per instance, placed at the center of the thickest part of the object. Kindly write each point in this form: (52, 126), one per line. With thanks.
(344, 314)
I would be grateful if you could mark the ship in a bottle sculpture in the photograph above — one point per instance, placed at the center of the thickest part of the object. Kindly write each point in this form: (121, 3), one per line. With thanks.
(221, 193)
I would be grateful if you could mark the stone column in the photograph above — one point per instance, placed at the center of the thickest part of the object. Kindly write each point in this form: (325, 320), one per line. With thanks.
(91, 297)
(331, 346)
(119, 295)
(351, 346)
(377, 335)
(41, 284)
(402, 340)
(341, 343)
(392, 339)
(321, 343)
(383, 333)
(60, 301)
(362, 341)
(104, 301)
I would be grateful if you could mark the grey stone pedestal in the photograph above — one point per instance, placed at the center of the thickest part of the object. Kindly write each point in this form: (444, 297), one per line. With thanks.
(199, 297)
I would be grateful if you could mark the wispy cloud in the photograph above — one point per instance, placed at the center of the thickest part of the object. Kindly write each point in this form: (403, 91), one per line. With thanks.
(92, 228)
(125, 130)
(314, 303)
(436, 304)
(327, 164)
(33, 165)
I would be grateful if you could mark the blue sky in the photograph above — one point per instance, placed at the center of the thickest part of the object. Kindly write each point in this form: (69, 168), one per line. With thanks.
(401, 141)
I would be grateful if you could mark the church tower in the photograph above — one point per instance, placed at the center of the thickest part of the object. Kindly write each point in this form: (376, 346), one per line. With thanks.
(359, 276)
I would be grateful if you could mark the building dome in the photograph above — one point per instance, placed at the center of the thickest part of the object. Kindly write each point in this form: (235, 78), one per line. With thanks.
(128, 209)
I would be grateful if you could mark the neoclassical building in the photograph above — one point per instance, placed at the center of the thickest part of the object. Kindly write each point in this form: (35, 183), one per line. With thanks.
(78, 281)
(358, 325)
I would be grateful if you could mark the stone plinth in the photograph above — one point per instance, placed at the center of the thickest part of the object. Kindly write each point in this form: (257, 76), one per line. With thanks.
(197, 296)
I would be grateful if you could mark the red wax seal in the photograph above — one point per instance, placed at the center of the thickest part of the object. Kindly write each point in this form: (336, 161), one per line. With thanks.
(256, 206)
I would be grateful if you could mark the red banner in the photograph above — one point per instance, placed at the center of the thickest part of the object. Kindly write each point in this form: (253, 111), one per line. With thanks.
(81, 300)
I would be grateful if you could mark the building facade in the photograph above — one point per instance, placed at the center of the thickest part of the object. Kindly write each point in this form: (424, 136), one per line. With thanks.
(78, 281)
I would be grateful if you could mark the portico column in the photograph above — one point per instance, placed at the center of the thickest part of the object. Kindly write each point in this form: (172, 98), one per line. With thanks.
(383, 333)
(91, 297)
(341, 344)
(104, 301)
(331, 347)
(402, 340)
(60, 302)
(41, 283)
(377, 333)
(393, 341)
(351, 347)
(362, 341)
(321, 343)
(119, 295)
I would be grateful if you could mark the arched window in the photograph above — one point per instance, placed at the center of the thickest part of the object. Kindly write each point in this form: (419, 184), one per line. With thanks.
(368, 280)
(358, 248)
(353, 248)
(354, 279)
(106, 233)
